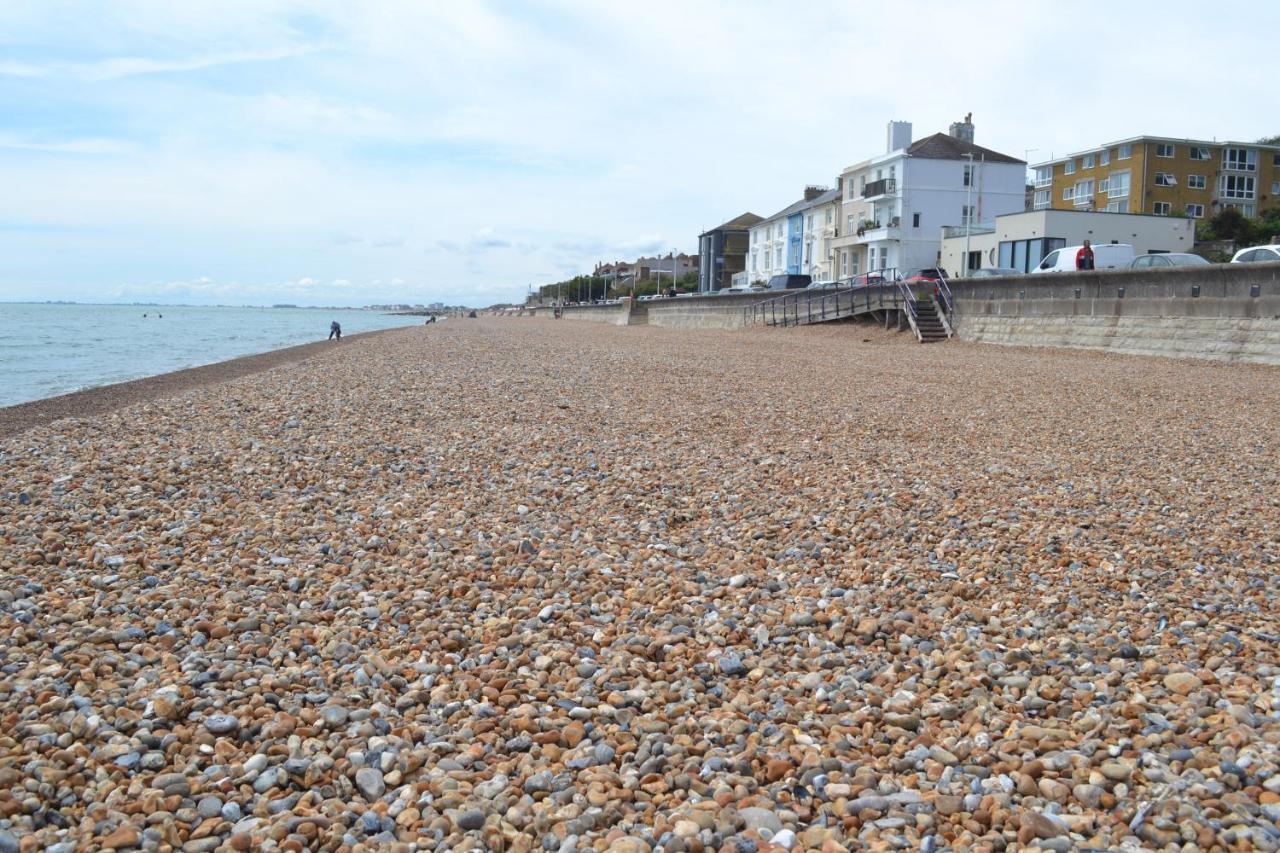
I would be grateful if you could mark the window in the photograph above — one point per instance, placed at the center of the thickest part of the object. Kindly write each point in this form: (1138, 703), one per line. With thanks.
(808, 253)
(1240, 159)
(1275, 159)
(1121, 206)
(1164, 149)
(1195, 182)
(1044, 176)
(753, 262)
(1166, 179)
(1245, 209)
(848, 224)
(968, 174)
(1084, 193)
(853, 264)
(844, 264)
(1275, 187)
(1195, 211)
(808, 222)
(830, 212)
(915, 220)
(862, 183)
(1041, 199)
(1086, 162)
(1236, 186)
(1104, 157)
(1068, 193)
(1118, 184)
(1124, 152)
(1198, 153)
(1069, 168)
(1161, 208)
(777, 257)
(1103, 184)
(966, 214)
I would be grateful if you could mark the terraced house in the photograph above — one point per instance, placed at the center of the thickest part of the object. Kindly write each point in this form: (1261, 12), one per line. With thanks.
(1162, 176)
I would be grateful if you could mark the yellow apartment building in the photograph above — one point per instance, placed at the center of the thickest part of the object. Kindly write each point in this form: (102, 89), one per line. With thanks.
(1162, 176)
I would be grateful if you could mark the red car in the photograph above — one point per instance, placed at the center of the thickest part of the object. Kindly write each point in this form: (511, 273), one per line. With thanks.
(928, 275)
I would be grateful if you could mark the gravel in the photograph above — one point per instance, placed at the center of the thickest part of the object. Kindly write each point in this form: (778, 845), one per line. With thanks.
(529, 584)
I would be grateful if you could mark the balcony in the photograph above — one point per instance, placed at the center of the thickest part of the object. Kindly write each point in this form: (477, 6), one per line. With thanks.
(871, 232)
(882, 187)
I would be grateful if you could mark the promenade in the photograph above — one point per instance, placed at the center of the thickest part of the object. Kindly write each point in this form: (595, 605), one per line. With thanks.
(522, 584)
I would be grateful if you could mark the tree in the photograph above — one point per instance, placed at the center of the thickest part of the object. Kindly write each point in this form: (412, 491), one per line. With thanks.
(1228, 224)
(1269, 140)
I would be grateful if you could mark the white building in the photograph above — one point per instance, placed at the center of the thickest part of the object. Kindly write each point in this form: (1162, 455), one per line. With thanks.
(1021, 240)
(895, 205)
(796, 239)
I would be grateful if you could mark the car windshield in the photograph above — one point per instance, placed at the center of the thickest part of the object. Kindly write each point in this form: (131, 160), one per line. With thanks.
(1188, 260)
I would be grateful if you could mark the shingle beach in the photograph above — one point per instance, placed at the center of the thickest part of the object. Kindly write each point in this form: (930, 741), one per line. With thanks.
(517, 584)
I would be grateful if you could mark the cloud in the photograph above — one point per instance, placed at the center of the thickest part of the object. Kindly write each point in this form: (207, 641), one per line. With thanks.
(20, 69)
(67, 146)
(506, 143)
(116, 67)
(482, 242)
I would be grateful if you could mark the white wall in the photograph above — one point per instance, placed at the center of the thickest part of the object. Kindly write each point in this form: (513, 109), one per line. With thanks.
(765, 239)
(1145, 233)
(935, 190)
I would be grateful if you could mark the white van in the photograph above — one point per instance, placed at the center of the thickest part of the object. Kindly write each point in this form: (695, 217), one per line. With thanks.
(1106, 256)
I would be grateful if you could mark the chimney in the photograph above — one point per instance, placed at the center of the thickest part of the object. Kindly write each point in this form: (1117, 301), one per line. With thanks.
(899, 136)
(811, 192)
(962, 130)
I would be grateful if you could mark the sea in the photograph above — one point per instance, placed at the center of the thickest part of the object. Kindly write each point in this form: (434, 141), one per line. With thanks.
(48, 349)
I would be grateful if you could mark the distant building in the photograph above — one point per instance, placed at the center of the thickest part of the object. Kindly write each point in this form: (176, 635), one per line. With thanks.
(673, 266)
(796, 239)
(1021, 240)
(1162, 176)
(722, 252)
(895, 205)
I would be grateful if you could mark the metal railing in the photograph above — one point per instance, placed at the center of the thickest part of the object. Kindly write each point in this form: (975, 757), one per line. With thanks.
(884, 186)
(880, 290)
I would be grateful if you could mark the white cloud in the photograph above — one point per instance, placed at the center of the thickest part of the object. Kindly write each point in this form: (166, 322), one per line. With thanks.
(491, 146)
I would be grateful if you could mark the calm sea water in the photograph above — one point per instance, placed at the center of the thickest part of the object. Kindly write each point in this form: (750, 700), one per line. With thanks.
(47, 350)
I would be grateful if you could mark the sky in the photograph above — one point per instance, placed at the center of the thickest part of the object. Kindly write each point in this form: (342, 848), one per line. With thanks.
(335, 153)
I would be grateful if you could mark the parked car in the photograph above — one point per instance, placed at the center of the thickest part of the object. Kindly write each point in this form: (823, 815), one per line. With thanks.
(993, 272)
(926, 275)
(868, 278)
(1106, 256)
(822, 285)
(744, 288)
(1257, 254)
(790, 282)
(1165, 260)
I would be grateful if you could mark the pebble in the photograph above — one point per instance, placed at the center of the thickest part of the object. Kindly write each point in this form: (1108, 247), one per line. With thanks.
(220, 724)
(439, 605)
(371, 783)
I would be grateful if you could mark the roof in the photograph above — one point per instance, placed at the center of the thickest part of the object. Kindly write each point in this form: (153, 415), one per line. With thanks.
(804, 204)
(1206, 143)
(942, 146)
(738, 223)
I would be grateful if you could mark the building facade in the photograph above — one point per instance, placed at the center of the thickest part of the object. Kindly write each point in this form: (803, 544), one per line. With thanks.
(1021, 240)
(795, 240)
(896, 205)
(722, 252)
(1162, 176)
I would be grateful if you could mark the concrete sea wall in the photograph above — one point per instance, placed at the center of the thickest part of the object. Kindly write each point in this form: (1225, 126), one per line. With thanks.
(1227, 312)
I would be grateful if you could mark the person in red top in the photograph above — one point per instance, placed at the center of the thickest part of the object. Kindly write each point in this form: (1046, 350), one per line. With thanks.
(1084, 257)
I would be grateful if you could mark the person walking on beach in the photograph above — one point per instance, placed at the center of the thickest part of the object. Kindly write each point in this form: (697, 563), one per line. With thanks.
(335, 331)
(1084, 257)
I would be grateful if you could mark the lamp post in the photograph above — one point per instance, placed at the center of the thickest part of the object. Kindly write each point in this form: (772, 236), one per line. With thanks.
(968, 218)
